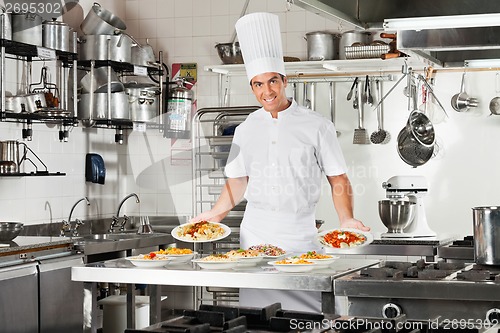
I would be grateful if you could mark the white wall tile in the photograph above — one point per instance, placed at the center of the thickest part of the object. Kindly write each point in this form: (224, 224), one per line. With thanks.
(165, 8)
(147, 9)
(183, 8)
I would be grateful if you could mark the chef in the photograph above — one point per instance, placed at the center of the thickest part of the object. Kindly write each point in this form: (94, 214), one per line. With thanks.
(279, 156)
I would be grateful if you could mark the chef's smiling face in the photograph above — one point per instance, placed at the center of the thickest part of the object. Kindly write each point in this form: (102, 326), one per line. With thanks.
(269, 89)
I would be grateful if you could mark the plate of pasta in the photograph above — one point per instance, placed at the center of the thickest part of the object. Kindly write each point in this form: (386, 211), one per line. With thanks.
(344, 239)
(216, 261)
(293, 265)
(150, 260)
(321, 260)
(201, 232)
(177, 255)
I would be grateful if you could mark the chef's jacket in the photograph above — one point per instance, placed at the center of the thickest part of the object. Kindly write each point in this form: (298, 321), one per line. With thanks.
(285, 159)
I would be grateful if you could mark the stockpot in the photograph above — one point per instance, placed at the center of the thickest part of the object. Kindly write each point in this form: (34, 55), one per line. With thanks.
(144, 101)
(35, 101)
(27, 28)
(15, 104)
(350, 38)
(106, 47)
(486, 235)
(56, 35)
(322, 45)
(100, 81)
(143, 55)
(100, 21)
(119, 106)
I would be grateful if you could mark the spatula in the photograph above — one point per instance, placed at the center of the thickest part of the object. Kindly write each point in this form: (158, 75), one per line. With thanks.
(360, 134)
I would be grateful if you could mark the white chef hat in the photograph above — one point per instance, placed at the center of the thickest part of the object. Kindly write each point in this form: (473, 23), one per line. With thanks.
(260, 43)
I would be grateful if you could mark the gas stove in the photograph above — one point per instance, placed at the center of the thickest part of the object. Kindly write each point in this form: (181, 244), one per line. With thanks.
(423, 291)
(461, 250)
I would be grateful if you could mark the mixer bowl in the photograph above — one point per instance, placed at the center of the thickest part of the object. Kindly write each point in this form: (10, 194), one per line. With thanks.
(396, 214)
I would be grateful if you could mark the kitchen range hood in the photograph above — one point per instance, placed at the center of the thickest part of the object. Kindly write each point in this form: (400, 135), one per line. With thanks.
(444, 32)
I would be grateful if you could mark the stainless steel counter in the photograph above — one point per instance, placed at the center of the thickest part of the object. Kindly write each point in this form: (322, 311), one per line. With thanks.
(260, 277)
(420, 247)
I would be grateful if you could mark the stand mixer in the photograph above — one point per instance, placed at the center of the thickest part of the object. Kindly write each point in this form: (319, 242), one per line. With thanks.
(412, 188)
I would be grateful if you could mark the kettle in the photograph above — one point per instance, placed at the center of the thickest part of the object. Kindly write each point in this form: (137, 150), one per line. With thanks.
(9, 155)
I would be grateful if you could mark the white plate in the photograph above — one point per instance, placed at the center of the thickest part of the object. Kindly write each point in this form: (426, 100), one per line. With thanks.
(176, 230)
(180, 258)
(148, 263)
(293, 268)
(249, 261)
(322, 263)
(329, 249)
(215, 264)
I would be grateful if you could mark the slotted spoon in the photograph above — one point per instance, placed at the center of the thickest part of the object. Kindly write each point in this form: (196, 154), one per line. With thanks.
(380, 136)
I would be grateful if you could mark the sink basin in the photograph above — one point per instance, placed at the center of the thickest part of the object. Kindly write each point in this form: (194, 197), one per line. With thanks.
(110, 237)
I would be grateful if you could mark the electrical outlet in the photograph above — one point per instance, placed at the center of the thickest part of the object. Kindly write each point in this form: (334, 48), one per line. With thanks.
(23, 256)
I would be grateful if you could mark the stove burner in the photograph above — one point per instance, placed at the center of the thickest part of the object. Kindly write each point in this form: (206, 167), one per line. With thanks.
(480, 273)
(406, 270)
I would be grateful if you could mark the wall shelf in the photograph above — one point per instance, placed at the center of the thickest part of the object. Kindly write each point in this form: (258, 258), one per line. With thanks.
(331, 67)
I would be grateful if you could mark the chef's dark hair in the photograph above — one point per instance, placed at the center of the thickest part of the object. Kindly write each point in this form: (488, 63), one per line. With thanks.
(281, 75)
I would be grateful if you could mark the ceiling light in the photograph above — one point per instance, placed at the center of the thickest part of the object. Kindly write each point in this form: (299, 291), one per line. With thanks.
(442, 22)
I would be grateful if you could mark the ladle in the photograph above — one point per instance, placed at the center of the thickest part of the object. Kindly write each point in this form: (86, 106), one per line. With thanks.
(461, 102)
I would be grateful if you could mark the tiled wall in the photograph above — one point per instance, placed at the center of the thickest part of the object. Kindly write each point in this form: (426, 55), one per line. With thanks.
(460, 176)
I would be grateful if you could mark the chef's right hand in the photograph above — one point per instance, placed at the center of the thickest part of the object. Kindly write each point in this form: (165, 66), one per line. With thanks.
(207, 216)
(353, 223)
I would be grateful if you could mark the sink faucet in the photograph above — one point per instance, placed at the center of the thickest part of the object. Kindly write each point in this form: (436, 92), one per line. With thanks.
(116, 218)
(66, 225)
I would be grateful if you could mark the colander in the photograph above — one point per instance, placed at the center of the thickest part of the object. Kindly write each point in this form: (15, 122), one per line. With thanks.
(416, 140)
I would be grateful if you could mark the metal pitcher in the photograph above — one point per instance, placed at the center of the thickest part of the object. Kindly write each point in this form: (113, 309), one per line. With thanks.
(9, 152)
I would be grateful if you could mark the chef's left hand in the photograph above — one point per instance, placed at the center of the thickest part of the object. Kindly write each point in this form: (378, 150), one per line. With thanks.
(353, 223)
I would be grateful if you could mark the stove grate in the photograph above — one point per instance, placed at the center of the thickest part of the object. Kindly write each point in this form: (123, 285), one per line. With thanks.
(397, 270)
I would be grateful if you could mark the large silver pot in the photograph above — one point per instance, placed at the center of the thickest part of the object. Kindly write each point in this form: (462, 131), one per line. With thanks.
(144, 101)
(56, 35)
(16, 103)
(143, 55)
(100, 21)
(106, 47)
(350, 38)
(322, 46)
(99, 109)
(486, 235)
(27, 28)
(100, 81)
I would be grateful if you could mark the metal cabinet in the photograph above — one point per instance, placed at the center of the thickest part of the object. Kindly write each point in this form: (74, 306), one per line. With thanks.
(19, 298)
(61, 299)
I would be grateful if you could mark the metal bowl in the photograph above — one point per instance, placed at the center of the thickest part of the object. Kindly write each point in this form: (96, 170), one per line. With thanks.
(10, 230)
(229, 53)
(396, 214)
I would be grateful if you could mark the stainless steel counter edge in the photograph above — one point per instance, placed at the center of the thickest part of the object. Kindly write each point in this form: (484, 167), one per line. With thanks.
(122, 271)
